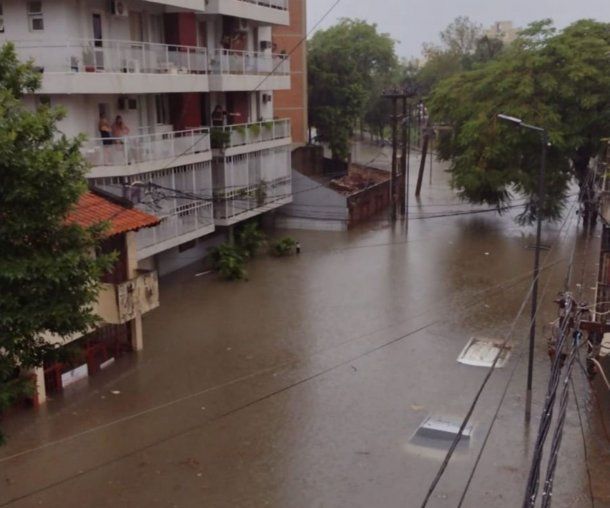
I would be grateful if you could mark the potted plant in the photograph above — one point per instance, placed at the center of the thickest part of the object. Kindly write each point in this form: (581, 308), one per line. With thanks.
(255, 129)
(88, 60)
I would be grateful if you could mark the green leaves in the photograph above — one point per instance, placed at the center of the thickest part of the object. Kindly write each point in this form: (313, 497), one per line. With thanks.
(558, 80)
(346, 65)
(48, 277)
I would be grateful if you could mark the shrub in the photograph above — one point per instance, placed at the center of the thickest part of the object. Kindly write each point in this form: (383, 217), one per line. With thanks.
(228, 261)
(284, 247)
(219, 137)
(250, 239)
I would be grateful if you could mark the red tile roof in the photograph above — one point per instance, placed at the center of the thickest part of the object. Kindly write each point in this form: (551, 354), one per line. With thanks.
(93, 209)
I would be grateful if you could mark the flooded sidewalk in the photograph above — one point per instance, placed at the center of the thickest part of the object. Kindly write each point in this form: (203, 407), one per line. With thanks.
(305, 386)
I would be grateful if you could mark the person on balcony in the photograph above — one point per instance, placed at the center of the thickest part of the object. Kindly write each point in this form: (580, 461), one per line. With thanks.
(105, 130)
(219, 116)
(119, 129)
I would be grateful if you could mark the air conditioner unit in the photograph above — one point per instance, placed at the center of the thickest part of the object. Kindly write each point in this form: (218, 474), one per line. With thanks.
(119, 8)
(267, 98)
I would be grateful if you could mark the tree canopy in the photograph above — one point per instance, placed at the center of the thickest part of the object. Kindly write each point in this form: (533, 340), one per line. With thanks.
(559, 80)
(48, 277)
(462, 46)
(347, 65)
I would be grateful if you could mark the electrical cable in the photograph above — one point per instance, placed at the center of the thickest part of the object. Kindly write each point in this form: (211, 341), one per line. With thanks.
(265, 78)
(502, 398)
(477, 396)
(584, 441)
(475, 303)
(544, 426)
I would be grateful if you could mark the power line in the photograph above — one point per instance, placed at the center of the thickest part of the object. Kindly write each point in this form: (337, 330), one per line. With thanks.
(501, 402)
(571, 313)
(584, 443)
(486, 379)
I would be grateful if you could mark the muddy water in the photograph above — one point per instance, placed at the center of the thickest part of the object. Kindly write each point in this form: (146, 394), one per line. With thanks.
(305, 385)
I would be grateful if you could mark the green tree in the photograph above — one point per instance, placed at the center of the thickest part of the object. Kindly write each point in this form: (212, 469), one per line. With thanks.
(558, 80)
(462, 47)
(346, 64)
(48, 278)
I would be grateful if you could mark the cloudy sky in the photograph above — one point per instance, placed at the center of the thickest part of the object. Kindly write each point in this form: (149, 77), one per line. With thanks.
(413, 23)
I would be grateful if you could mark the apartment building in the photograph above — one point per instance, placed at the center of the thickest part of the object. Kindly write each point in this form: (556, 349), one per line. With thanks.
(176, 100)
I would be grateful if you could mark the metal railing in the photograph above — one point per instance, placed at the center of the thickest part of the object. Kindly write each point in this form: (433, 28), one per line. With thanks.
(256, 132)
(229, 61)
(275, 4)
(180, 221)
(91, 55)
(146, 147)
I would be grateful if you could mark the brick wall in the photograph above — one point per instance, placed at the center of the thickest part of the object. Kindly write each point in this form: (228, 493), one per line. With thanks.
(293, 103)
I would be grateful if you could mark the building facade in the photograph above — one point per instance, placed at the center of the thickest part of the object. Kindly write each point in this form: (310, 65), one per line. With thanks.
(126, 293)
(176, 99)
(503, 30)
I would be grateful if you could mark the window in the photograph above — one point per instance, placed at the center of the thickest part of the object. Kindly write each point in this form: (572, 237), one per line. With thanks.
(1, 20)
(162, 109)
(35, 19)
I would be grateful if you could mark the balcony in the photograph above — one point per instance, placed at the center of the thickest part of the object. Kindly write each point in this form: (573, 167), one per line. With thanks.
(190, 5)
(123, 67)
(273, 12)
(249, 184)
(120, 303)
(248, 137)
(182, 224)
(232, 70)
(132, 155)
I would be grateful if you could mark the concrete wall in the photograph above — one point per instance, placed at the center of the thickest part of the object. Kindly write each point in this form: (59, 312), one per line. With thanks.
(172, 259)
(313, 200)
(69, 19)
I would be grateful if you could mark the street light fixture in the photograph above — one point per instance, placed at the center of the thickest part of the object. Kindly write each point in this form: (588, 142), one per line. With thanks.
(539, 203)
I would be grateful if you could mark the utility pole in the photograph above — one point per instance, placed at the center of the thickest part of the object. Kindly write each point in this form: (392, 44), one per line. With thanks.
(544, 138)
(394, 95)
(406, 154)
(422, 164)
(402, 194)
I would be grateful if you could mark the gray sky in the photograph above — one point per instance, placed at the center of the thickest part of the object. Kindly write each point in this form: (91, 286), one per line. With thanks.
(413, 23)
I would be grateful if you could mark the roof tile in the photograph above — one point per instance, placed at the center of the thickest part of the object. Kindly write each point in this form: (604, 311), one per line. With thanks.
(92, 209)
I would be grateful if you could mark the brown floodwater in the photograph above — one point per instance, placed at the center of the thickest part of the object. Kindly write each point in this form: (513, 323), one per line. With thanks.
(305, 385)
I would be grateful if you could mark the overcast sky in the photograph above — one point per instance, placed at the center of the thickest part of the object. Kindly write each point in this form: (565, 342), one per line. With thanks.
(413, 23)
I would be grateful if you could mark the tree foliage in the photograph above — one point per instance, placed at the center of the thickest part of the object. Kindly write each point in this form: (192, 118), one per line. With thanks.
(463, 46)
(557, 80)
(347, 64)
(48, 278)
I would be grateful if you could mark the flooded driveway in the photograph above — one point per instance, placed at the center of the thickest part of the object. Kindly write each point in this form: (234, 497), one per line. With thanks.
(305, 386)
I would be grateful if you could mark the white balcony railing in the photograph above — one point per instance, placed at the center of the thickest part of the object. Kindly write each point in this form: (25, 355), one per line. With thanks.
(180, 221)
(276, 4)
(111, 56)
(256, 132)
(145, 147)
(228, 61)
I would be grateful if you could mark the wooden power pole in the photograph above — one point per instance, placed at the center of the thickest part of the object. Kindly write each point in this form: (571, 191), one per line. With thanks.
(394, 95)
(422, 164)
(399, 178)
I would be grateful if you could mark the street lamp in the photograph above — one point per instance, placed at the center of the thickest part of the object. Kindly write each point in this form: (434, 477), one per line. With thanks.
(544, 136)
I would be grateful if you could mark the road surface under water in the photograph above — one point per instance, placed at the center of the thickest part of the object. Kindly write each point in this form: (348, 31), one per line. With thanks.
(305, 385)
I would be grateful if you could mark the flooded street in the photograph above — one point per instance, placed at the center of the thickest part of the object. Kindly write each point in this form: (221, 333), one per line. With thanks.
(305, 385)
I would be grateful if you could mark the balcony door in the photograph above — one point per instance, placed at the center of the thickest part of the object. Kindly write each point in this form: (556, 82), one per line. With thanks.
(98, 28)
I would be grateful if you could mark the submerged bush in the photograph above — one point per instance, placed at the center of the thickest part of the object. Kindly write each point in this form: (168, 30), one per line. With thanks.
(250, 239)
(228, 261)
(284, 247)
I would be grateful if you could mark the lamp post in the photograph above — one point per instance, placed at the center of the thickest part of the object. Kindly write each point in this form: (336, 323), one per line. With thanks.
(544, 136)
